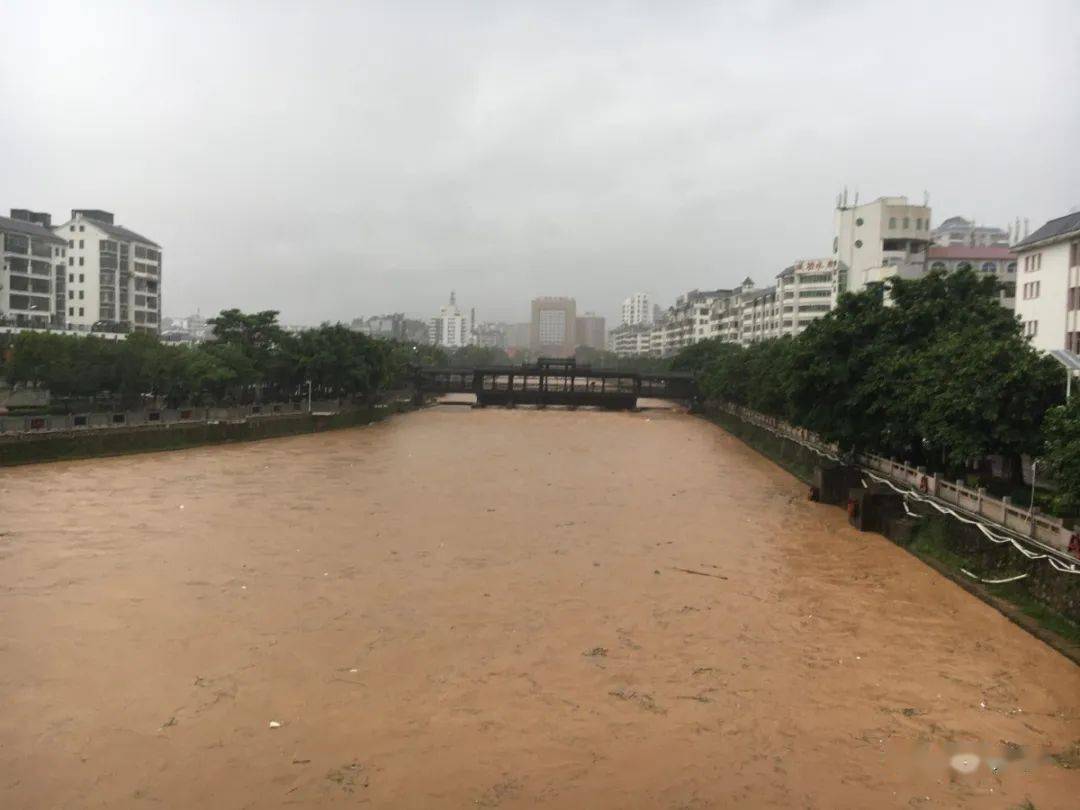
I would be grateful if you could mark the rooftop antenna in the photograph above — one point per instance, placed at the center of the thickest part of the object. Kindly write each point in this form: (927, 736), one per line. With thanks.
(1027, 228)
(856, 204)
(925, 198)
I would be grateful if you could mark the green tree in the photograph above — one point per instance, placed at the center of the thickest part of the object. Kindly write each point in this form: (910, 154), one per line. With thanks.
(1061, 453)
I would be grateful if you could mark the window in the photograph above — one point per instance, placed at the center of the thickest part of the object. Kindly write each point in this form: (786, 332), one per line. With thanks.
(81, 295)
(858, 243)
(81, 243)
(1011, 268)
(918, 224)
(71, 295)
(73, 231)
(1074, 254)
(82, 261)
(71, 261)
(82, 278)
(937, 266)
(1074, 298)
(892, 223)
(81, 228)
(81, 312)
(71, 310)
(71, 278)
(907, 223)
(71, 243)
(989, 267)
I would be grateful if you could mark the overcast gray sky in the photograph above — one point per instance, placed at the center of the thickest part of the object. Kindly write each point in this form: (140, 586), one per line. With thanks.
(333, 162)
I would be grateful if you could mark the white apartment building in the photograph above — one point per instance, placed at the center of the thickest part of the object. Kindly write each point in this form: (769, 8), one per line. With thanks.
(451, 328)
(113, 274)
(32, 273)
(878, 240)
(1048, 284)
(689, 321)
(805, 292)
(988, 260)
(960, 232)
(636, 310)
(630, 340)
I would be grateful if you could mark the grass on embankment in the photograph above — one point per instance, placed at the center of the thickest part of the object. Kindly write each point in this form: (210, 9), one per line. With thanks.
(929, 543)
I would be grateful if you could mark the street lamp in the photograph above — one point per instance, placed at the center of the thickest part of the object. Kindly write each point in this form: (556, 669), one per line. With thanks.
(309, 396)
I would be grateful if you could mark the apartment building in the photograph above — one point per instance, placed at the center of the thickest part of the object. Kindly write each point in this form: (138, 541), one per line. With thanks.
(553, 327)
(631, 340)
(688, 322)
(806, 291)
(879, 240)
(960, 232)
(1048, 284)
(32, 275)
(994, 260)
(637, 310)
(451, 328)
(113, 274)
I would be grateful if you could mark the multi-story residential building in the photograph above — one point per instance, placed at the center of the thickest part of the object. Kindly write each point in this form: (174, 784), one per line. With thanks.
(32, 275)
(1048, 284)
(113, 274)
(727, 320)
(960, 232)
(591, 330)
(986, 259)
(451, 328)
(878, 240)
(806, 291)
(637, 310)
(631, 340)
(553, 327)
(687, 322)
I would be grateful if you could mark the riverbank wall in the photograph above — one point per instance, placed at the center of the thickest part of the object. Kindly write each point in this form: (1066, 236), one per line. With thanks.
(1046, 602)
(77, 443)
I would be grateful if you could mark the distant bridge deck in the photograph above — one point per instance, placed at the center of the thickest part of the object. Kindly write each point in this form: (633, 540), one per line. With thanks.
(555, 382)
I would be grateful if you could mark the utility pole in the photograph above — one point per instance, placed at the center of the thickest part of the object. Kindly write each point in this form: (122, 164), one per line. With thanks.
(309, 396)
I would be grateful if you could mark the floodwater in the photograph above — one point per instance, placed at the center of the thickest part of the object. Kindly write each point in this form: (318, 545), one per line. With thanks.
(463, 608)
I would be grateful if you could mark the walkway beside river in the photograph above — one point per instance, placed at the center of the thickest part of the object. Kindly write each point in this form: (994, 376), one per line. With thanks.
(497, 608)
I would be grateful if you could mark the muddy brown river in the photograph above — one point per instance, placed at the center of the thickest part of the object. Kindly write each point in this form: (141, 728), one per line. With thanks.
(459, 608)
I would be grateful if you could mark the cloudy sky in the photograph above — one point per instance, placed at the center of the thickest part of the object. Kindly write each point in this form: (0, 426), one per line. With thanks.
(332, 162)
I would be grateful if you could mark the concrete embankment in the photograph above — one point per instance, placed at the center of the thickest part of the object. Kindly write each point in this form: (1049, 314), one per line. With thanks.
(29, 448)
(1044, 601)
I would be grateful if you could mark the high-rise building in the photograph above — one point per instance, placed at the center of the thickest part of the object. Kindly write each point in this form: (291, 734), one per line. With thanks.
(32, 280)
(636, 310)
(805, 291)
(1048, 284)
(879, 240)
(553, 327)
(591, 331)
(113, 274)
(451, 328)
(960, 232)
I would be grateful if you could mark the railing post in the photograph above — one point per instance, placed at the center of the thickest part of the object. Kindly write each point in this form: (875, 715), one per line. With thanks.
(980, 493)
(1006, 502)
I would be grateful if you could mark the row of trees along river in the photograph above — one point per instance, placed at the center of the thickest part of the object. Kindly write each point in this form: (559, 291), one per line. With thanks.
(933, 371)
(250, 359)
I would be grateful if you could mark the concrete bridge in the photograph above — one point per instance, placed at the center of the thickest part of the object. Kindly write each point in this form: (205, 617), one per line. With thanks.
(554, 381)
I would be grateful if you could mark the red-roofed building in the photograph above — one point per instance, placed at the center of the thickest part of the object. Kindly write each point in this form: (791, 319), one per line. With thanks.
(990, 260)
